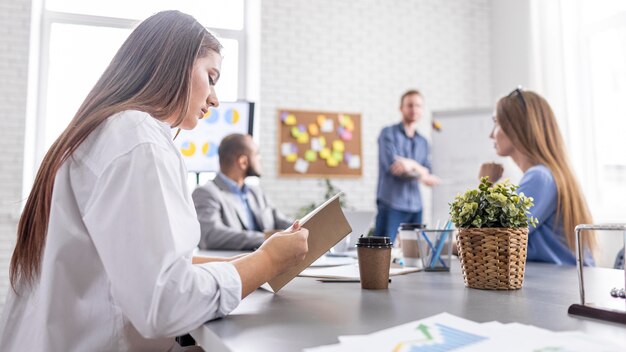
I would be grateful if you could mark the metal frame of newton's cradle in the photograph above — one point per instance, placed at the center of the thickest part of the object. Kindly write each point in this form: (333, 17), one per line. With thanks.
(588, 309)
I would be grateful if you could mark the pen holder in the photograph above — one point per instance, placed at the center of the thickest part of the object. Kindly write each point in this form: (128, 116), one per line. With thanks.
(436, 247)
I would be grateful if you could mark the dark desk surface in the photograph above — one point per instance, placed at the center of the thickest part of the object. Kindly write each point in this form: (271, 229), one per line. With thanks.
(308, 313)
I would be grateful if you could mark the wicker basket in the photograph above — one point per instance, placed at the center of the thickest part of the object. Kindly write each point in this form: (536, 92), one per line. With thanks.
(493, 258)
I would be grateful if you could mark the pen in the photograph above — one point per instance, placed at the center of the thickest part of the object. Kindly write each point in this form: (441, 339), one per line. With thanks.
(432, 248)
(440, 243)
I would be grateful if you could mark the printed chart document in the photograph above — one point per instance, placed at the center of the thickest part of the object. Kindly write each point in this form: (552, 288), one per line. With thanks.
(446, 332)
(327, 226)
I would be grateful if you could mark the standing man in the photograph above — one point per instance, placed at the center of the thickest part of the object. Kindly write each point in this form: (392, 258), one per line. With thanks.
(234, 215)
(403, 162)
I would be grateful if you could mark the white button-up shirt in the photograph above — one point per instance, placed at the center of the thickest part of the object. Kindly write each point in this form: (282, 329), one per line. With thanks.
(116, 272)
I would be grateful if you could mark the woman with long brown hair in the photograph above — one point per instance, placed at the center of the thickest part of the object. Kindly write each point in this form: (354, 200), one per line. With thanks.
(526, 130)
(103, 260)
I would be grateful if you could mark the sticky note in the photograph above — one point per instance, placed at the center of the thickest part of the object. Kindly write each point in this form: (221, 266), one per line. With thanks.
(339, 146)
(314, 130)
(346, 135)
(337, 156)
(291, 157)
(315, 144)
(322, 141)
(288, 119)
(303, 138)
(288, 148)
(349, 125)
(332, 162)
(301, 166)
(320, 120)
(324, 153)
(341, 119)
(295, 132)
(328, 126)
(310, 155)
(354, 162)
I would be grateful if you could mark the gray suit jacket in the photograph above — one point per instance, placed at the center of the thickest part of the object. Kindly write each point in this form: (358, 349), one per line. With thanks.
(220, 213)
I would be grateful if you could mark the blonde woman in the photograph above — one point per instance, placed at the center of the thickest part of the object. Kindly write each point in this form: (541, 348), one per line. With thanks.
(103, 260)
(526, 130)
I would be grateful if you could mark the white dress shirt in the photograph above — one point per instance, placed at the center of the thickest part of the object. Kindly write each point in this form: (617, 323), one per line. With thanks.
(116, 272)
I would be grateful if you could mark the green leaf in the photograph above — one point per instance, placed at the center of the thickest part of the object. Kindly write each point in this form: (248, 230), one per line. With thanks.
(492, 206)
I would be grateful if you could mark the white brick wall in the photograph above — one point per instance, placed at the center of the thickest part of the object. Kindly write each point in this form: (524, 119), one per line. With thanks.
(338, 55)
(361, 55)
(14, 42)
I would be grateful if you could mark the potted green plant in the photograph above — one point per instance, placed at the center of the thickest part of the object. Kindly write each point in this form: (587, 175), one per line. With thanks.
(493, 225)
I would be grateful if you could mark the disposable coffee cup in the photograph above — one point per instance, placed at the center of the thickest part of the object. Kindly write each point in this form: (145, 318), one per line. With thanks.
(408, 233)
(374, 260)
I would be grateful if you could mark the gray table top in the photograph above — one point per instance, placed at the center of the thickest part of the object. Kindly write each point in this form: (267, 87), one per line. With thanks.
(308, 313)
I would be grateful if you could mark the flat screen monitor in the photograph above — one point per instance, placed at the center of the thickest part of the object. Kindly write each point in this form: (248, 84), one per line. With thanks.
(199, 146)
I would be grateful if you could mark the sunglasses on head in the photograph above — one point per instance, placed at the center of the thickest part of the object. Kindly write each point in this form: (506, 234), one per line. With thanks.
(518, 92)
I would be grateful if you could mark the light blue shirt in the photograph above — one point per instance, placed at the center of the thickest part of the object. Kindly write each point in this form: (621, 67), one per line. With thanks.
(546, 242)
(242, 193)
(400, 193)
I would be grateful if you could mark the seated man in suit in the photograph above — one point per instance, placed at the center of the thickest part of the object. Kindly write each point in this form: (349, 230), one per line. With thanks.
(234, 215)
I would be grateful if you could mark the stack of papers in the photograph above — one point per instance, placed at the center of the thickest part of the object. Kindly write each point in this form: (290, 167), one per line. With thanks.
(446, 332)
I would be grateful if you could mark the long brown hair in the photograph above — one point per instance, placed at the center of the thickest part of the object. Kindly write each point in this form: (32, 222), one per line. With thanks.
(151, 72)
(529, 122)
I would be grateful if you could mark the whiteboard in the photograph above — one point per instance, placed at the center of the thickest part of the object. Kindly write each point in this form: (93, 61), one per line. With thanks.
(458, 150)
(198, 147)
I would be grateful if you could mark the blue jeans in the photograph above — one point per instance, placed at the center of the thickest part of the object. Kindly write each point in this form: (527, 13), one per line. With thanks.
(388, 220)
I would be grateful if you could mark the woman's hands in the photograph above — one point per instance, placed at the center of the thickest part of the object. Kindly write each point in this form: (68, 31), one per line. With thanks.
(279, 253)
(287, 248)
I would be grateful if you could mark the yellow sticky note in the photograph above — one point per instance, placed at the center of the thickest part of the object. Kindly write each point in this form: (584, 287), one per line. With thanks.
(310, 155)
(303, 138)
(314, 130)
(322, 141)
(324, 153)
(290, 120)
(337, 156)
(332, 162)
(295, 132)
(339, 146)
(320, 120)
(349, 125)
(291, 158)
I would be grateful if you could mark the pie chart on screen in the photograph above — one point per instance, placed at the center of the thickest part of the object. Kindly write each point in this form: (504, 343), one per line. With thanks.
(188, 148)
(213, 117)
(231, 116)
(209, 149)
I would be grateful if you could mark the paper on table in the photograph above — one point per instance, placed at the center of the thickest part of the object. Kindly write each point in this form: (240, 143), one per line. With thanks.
(327, 226)
(326, 261)
(348, 272)
(446, 332)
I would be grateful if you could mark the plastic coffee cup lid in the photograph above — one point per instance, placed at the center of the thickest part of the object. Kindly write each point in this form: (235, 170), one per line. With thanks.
(411, 226)
(374, 242)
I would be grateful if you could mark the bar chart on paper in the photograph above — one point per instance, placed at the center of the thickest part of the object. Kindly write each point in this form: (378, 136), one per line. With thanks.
(445, 332)
(438, 338)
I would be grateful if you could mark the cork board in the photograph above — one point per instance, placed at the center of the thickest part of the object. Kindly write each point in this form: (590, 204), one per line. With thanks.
(319, 143)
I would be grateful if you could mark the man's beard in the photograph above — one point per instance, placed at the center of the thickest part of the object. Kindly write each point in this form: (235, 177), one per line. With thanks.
(250, 171)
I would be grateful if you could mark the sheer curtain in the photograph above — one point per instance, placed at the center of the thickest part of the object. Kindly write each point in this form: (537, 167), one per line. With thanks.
(578, 62)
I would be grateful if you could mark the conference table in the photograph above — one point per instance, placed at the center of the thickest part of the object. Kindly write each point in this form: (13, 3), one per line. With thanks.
(308, 313)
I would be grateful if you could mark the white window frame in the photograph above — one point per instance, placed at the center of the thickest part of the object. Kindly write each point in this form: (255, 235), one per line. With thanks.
(48, 18)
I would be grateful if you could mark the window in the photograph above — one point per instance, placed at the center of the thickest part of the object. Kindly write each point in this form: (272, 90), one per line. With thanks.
(605, 28)
(81, 37)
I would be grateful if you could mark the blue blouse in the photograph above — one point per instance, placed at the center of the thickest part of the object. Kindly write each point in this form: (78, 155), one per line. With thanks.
(546, 242)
